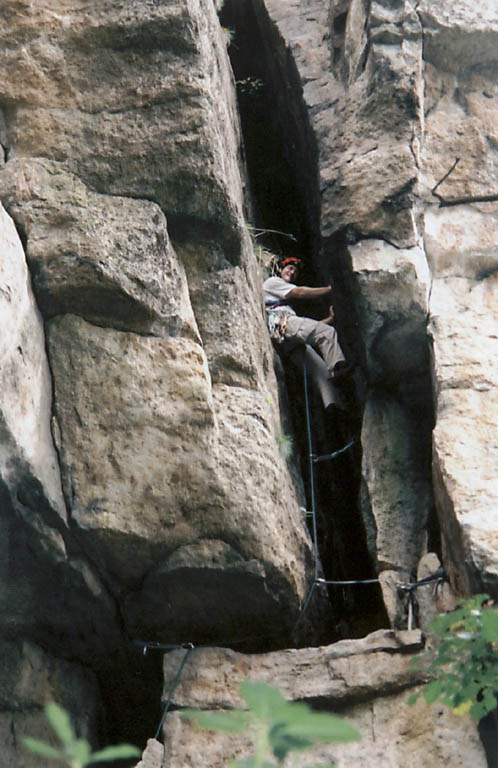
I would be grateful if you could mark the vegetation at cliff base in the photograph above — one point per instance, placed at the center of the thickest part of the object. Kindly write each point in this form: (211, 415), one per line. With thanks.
(74, 752)
(463, 659)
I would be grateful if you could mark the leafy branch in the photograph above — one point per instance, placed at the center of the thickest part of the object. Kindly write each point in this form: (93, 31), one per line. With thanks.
(279, 727)
(463, 659)
(76, 753)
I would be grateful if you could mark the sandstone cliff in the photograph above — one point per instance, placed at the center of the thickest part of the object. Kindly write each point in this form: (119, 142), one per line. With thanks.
(144, 497)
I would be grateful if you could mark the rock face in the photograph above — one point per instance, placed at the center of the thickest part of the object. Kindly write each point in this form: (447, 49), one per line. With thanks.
(164, 450)
(366, 680)
(27, 448)
(405, 122)
(38, 563)
(141, 475)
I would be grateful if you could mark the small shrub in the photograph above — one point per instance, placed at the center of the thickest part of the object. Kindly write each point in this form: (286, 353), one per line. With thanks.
(285, 444)
(250, 85)
(463, 659)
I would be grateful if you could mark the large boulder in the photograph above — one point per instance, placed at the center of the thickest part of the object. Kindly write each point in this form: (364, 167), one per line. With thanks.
(463, 324)
(28, 458)
(392, 288)
(39, 565)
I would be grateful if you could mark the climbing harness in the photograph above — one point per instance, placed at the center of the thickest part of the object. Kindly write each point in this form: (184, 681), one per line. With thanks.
(277, 323)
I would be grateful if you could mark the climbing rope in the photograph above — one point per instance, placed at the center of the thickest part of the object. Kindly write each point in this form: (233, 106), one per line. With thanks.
(314, 459)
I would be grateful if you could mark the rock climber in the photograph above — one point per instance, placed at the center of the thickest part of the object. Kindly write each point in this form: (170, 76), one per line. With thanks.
(296, 336)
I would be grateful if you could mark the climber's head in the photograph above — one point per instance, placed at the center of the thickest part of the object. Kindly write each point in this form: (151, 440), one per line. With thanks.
(289, 269)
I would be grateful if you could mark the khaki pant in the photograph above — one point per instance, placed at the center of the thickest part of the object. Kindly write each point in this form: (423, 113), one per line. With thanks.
(306, 333)
(315, 334)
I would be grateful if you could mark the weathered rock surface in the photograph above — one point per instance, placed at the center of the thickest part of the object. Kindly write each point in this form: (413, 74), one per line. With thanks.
(37, 567)
(364, 680)
(153, 755)
(336, 672)
(28, 455)
(106, 258)
(463, 314)
(361, 78)
(392, 288)
(156, 485)
(398, 495)
(393, 735)
(148, 127)
(165, 429)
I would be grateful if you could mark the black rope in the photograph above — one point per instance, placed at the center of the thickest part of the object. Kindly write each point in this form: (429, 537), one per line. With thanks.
(312, 478)
(440, 575)
(328, 456)
(351, 581)
(146, 645)
(188, 651)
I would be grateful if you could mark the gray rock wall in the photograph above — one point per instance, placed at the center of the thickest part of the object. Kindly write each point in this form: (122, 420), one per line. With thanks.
(29, 679)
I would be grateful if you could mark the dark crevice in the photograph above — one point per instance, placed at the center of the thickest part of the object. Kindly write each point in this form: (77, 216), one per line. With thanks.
(282, 163)
(280, 148)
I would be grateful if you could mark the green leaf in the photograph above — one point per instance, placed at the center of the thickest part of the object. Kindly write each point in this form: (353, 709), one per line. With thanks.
(80, 750)
(413, 698)
(432, 691)
(233, 722)
(60, 722)
(489, 620)
(117, 752)
(40, 748)
(318, 726)
(282, 742)
(263, 699)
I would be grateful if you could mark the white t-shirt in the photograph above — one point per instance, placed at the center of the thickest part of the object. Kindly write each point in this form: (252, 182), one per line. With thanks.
(275, 290)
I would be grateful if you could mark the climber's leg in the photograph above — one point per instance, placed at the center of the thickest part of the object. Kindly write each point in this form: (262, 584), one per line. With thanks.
(319, 374)
(317, 334)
